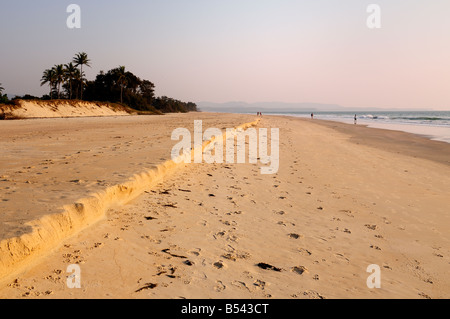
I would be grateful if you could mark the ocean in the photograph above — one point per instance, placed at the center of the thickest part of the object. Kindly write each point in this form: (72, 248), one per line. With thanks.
(432, 124)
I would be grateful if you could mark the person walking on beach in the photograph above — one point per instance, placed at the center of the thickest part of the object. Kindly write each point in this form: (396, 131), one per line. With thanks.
(356, 119)
(312, 116)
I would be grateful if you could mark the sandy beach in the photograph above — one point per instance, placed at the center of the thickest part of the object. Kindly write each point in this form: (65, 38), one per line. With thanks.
(345, 197)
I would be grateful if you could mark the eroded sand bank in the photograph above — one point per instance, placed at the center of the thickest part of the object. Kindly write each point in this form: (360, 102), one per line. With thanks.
(335, 207)
(27, 109)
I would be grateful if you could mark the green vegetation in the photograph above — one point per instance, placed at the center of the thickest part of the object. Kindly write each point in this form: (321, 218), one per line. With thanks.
(72, 77)
(3, 98)
(48, 78)
(81, 59)
(115, 86)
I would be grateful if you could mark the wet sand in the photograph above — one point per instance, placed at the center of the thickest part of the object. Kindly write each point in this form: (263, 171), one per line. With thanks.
(395, 141)
(344, 198)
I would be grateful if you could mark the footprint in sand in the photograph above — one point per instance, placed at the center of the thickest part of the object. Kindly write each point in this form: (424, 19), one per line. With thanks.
(235, 255)
(310, 294)
(97, 245)
(74, 258)
(240, 284)
(259, 284)
(347, 212)
(341, 256)
(438, 255)
(232, 238)
(169, 271)
(371, 227)
(300, 270)
(167, 251)
(219, 234)
(55, 277)
(219, 287)
(424, 295)
(228, 223)
(234, 213)
(304, 252)
(219, 265)
(195, 252)
(346, 230)
(146, 287)
(268, 267)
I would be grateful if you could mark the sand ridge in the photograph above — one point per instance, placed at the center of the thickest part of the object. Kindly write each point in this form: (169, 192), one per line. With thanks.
(48, 231)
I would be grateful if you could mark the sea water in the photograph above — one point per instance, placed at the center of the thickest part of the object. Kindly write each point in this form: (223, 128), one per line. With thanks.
(432, 124)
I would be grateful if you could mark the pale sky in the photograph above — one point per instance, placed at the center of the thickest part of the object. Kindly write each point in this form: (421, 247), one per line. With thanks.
(242, 50)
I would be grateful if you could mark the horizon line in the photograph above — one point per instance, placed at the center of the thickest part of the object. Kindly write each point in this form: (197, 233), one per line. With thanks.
(251, 105)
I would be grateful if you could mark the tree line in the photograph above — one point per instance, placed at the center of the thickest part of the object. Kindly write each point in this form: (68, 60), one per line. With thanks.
(67, 81)
(3, 98)
(69, 76)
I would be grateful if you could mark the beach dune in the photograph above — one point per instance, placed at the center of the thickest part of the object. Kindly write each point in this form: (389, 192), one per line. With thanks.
(26, 109)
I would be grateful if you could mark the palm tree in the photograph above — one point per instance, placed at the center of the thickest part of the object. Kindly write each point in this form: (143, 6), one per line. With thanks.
(79, 81)
(81, 59)
(59, 76)
(1, 89)
(121, 80)
(71, 73)
(48, 77)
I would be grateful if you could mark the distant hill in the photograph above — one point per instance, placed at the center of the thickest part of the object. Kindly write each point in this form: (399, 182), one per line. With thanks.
(244, 107)
(271, 107)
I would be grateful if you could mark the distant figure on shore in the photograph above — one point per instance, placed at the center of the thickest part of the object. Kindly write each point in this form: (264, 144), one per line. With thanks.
(312, 116)
(356, 119)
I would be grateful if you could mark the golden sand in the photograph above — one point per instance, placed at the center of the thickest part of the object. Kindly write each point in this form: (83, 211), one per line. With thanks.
(45, 233)
(335, 207)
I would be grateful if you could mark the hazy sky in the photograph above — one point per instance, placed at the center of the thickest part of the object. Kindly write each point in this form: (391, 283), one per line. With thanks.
(242, 50)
